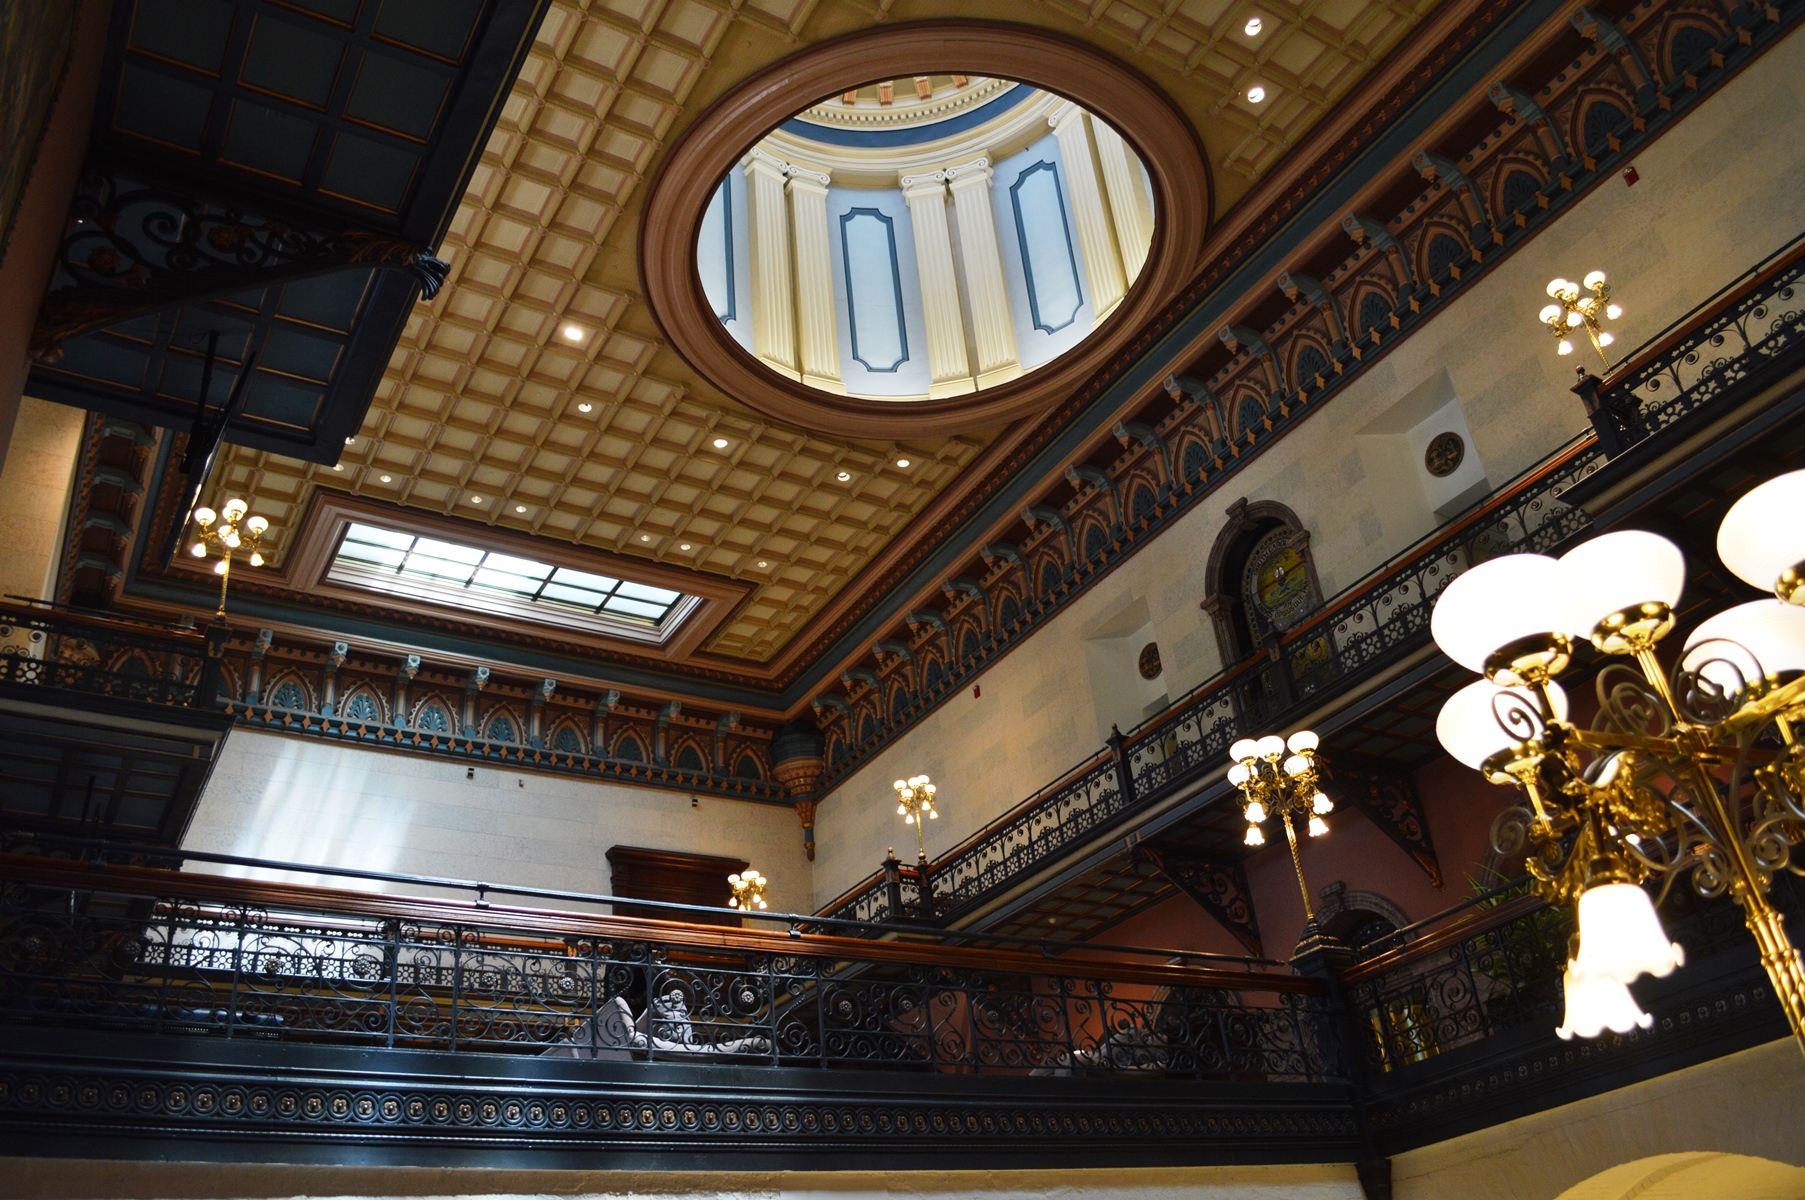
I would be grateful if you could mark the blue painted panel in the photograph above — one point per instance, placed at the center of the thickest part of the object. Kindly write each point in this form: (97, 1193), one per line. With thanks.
(714, 252)
(867, 369)
(874, 301)
(1049, 262)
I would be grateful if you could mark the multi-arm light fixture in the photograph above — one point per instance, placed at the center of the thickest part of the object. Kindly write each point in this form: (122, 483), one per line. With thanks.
(1585, 305)
(1697, 769)
(1279, 778)
(915, 804)
(748, 890)
(226, 533)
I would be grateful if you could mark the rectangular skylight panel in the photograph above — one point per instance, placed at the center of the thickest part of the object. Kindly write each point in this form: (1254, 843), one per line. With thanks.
(506, 581)
(370, 535)
(583, 579)
(587, 599)
(640, 591)
(448, 550)
(635, 608)
(388, 557)
(438, 568)
(517, 566)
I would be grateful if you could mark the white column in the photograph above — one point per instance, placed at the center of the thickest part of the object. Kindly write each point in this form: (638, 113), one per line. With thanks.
(992, 325)
(817, 335)
(1102, 263)
(947, 358)
(1129, 204)
(768, 231)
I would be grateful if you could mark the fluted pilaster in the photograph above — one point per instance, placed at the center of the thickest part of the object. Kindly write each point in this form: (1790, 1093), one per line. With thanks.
(1102, 261)
(773, 291)
(947, 357)
(993, 327)
(817, 336)
(1130, 208)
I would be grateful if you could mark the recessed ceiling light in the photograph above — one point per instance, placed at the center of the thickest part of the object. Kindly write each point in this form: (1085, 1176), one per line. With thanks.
(720, 443)
(683, 546)
(520, 508)
(843, 476)
(902, 462)
(585, 406)
(349, 440)
(763, 563)
(573, 332)
(1255, 94)
(476, 499)
(338, 466)
(1253, 27)
(645, 537)
(386, 479)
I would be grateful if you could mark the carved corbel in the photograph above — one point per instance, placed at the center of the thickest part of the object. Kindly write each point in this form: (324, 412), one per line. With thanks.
(479, 679)
(253, 684)
(1367, 232)
(1519, 105)
(1046, 514)
(329, 678)
(1080, 474)
(728, 720)
(1388, 799)
(1239, 337)
(535, 726)
(1217, 885)
(1436, 169)
(660, 755)
(1610, 39)
(1297, 286)
(864, 675)
(1136, 431)
(898, 650)
(598, 723)
(404, 675)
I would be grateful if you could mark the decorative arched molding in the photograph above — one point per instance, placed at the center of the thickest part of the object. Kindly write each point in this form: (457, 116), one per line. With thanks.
(1237, 633)
(1336, 902)
(1156, 129)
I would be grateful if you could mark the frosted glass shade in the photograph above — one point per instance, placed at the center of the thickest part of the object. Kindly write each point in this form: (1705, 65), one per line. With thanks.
(1245, 750)
(1620, 937)
(1497, 602)
(1762, 534)
(1595, 1005)
(1619, 571)
(1302, 741)
(1468, 727)
(1763, 637)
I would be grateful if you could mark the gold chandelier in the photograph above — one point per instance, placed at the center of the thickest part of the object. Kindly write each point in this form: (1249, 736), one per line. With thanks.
(1694, 770)
(1279, 778)
(226, 533)
(1583, 306)
(915, 804)
(748, 890)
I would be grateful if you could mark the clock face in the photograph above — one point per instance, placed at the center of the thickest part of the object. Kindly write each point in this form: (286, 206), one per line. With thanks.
(1275, 584)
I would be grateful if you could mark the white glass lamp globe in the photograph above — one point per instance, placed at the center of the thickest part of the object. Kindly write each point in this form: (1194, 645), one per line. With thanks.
(1468, 726)
(1620, 571)
(1245, 750)
(1498, 602)
(1271, 746)
(1620, 937)
(1595, 1005)
(1762, 534)
(1302, 742)
(1741, 644)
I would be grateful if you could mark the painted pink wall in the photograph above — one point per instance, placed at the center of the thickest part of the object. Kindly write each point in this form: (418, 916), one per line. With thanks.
(1177, 924)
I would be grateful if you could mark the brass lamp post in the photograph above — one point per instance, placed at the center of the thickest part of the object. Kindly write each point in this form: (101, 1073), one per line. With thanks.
(226, 533)
(915, 804)
(1695, 770)
(748, 890)
(1585, 305)
(1279, 778)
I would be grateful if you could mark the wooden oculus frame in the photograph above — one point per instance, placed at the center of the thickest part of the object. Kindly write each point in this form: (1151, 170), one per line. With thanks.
(1138, 110)
(323, 527)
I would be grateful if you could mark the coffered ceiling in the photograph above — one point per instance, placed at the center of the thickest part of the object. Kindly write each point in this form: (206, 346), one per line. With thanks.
(536, 391)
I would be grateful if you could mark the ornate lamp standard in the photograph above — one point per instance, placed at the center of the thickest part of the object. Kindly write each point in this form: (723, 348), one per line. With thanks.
(915, 803)
(1581, 306)
(225, 533)
(1695, 770)
(1284, 785)
(748, 890)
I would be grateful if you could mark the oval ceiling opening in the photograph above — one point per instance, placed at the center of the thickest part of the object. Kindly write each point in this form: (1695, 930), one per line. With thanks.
(925, 238)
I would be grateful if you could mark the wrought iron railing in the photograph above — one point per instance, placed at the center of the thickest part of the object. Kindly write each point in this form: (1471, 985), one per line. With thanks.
(93, 655)
(1700, 364)
(184, 954)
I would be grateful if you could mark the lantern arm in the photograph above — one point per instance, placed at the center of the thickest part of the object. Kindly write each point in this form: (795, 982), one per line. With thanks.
(1786, 702)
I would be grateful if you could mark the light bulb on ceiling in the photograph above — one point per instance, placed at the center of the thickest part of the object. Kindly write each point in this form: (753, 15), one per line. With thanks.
(520, 508)
(903, 463)
(683, 546)
(573, 333)
(1252, 28)
(1255, 94)
(843, 476)
(763, 563)
(585, 406)
(387, 479)
(720, 443)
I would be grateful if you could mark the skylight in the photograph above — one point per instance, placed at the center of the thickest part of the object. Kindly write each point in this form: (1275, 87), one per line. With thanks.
(469, 576)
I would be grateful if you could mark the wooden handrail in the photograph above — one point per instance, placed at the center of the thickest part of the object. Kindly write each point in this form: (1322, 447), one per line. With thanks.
(158, 883)
(1451, 934)
(28, 615)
